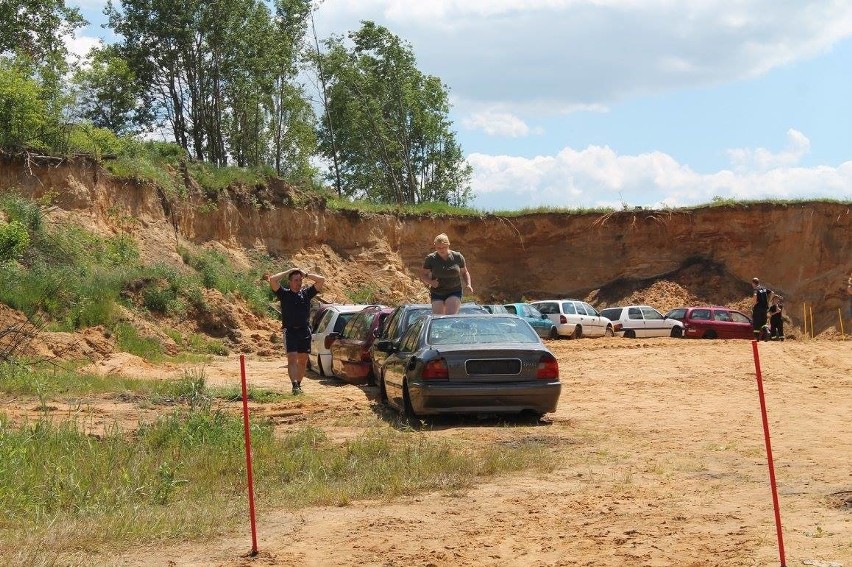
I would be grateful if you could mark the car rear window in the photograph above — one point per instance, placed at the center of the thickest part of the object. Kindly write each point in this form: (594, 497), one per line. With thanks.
(548, 308)
(700, 314)
(485, 330)
(612, 313)
(342, 319)
(634, 313)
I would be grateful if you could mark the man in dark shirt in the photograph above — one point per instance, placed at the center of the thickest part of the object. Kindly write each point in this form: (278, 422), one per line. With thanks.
(762, 297)
(295, 315)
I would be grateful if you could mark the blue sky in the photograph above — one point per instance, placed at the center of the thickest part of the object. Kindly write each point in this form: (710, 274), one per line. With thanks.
(654, 103)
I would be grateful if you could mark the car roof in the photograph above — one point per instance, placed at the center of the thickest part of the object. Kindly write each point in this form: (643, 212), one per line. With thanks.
(349, 307)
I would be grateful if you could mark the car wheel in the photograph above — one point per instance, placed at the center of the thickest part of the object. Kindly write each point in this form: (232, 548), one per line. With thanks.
(406, 401)
(677, 332)
(383, 392)
(609, 332)
(630, 334)
(710, 335)
(554, 334)
(578, 332)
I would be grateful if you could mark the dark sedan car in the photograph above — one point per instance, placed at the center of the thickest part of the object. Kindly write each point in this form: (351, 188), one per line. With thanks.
(399, 321)
(350, 349)
(470, 364)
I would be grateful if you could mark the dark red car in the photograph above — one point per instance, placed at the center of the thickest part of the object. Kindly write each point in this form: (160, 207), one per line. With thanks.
(713, 323)
(350, 349)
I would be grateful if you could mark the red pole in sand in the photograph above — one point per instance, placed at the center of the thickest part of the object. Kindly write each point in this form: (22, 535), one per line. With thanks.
(769, 454)
(248, 457)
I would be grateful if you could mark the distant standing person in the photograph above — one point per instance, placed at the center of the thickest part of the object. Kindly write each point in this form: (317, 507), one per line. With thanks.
(776, 318)
(849, 295)
(762, 297)
(444, 270)
(295, 314)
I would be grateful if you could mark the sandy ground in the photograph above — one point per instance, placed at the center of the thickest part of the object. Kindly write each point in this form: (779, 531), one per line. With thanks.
(664, 463)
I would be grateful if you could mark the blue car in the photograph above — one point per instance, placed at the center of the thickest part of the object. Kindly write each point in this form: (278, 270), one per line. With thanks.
(537, 320)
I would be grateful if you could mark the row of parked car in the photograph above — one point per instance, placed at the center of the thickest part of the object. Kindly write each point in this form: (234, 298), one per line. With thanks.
(424, 364)
(345, 338)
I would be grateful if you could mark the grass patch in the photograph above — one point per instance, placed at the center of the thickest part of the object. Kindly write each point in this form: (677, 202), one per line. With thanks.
(183, 477)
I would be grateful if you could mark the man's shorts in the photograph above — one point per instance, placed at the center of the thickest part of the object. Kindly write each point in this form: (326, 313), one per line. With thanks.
(297, 339)
(444, 296)
(758, 318)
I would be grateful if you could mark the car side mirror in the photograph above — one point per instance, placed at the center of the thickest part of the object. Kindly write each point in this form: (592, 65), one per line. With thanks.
(330, 338)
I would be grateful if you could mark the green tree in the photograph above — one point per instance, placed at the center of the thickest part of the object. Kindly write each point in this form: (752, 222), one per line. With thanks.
(391, 134)
(34, 28)
(222, 76)
(108, 93)
(22, 110)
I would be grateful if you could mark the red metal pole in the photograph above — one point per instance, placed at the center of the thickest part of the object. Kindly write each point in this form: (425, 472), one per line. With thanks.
(248, 456)
(769, 454)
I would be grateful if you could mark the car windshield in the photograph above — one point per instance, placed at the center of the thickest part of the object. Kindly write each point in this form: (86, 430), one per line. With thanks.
(480, 330)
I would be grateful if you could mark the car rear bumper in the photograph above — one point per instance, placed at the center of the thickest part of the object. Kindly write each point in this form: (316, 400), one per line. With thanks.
(445, 397)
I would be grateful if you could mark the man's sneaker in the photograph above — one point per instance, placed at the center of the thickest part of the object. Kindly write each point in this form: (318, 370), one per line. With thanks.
(296, 389)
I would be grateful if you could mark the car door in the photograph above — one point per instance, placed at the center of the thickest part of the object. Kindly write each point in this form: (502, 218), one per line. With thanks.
(341, 349)
(395, 364)
(318, 350)
(742, 326)
(594, 320)
(539, 322)
(655, 323)
(635, 322)
(724, 324)
(389, 330)
(525, 313)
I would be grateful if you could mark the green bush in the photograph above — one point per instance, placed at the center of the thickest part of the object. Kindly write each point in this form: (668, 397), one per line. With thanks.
(14, 239)
(25, 211)
(87, 139)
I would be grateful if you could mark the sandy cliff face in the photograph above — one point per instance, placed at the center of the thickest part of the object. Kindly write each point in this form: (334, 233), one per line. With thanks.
(803, 251)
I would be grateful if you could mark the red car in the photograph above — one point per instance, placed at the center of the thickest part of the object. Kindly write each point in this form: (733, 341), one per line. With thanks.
(350, 349)
(713, 323)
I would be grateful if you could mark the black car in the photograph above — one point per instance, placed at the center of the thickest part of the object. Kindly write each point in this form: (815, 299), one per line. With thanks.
(398, 322)
(478, 363)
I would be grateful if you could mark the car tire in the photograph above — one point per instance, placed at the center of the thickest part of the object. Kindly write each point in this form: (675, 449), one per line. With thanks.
(554, 334)
(709, 335)
(677, 332)
(609, 332)
(383, 391)
(630, 334)
(406, 402)
(578, 332)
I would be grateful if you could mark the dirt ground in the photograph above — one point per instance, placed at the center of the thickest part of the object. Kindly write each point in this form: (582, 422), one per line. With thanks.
(663, 463)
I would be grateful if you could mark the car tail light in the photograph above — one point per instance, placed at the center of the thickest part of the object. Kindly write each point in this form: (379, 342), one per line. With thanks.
(548, 368)
(435, 370)
(563, 320)
(617, 327)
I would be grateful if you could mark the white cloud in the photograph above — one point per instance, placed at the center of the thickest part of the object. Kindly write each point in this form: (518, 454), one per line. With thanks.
(79, 45)
(565, 53)
(762, 159)
(495, 123)
(598, 176)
